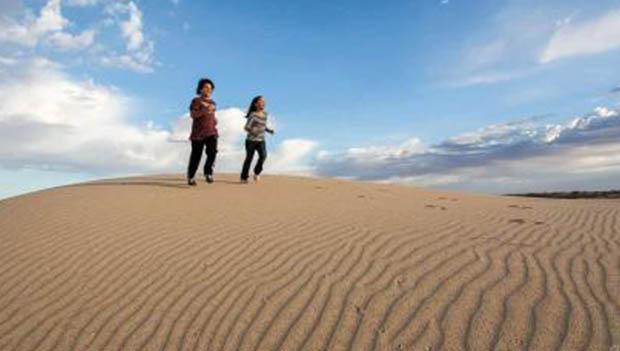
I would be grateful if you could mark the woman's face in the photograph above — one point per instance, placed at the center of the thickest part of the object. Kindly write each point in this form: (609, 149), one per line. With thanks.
(207, 90)
(260, 104)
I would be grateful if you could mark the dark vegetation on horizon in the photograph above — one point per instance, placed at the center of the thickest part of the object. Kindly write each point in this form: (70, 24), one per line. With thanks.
(609, 194)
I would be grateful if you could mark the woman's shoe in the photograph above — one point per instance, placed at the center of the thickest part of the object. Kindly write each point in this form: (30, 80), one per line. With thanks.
(209, 179)
(191, 182)
(243, 181)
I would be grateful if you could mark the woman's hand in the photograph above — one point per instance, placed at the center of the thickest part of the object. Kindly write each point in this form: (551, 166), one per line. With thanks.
(210, 108)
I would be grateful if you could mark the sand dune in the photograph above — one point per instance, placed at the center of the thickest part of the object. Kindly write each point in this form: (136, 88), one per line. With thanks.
(304, 264)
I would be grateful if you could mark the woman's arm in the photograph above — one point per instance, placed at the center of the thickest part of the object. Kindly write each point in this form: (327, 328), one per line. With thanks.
(199, 108)
(268, 129)
(248, 124)
(195, 109)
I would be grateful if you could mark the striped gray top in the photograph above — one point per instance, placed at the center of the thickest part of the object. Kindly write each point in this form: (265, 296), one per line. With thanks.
(256, 126)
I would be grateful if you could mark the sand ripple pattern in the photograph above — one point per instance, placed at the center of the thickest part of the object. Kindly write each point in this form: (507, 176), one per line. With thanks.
(305, 264)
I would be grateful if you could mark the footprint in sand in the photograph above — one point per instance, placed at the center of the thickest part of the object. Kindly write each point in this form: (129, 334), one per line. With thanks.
(443, 208)
(399, 282)
(523, 221)
(520, 207)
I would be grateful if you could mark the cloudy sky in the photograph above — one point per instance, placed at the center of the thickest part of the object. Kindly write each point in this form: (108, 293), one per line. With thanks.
(494, 96)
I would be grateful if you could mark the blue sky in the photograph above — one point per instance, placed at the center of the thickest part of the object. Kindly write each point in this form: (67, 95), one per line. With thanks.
(402, 91)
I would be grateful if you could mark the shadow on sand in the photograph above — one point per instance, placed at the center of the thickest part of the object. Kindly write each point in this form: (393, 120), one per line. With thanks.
(159, 182)
(139, 183)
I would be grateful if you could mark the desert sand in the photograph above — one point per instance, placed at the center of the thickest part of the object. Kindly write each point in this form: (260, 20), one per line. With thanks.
(304, 264)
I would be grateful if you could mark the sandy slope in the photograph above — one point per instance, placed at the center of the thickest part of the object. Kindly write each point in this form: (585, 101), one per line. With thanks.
(292, 263)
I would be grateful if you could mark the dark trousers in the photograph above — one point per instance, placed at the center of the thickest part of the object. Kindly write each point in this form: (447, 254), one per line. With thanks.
(250, 148)
(209, 144)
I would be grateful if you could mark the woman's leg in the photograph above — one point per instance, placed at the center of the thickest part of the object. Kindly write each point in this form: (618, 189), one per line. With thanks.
(194, 158)
(262, 156)
(249, 155)
(211, 152)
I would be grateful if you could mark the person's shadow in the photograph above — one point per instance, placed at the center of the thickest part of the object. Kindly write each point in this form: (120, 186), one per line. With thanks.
(133, 183)
(227, 182)
(159, 182)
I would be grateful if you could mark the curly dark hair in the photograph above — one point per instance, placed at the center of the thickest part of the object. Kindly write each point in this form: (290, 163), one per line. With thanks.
(201, 84)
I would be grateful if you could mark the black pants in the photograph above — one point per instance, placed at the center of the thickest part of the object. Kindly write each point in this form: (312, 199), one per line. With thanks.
(210, 146)
(250, 148)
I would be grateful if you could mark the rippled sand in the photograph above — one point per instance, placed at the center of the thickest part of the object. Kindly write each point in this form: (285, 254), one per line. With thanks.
(304, 264)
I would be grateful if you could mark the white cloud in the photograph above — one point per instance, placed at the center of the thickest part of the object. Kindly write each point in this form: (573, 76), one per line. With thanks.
(488, 78)
(50, 18)
(31, 31)
(138, 51)
(523, 35)
(8, 61)
(48, 27)
(518, 156)
(407, 148)
(503, 47)
(132, 28)
(485, 53)
(139, 62)
(592, 37)
(66, 41)
(566, 20)
(603, 112)
(50, 121)
(290, 156)
(67, 125)
(82, 3)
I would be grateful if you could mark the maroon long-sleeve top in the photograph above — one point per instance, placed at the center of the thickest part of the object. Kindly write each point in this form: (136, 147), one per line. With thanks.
(204, 123)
